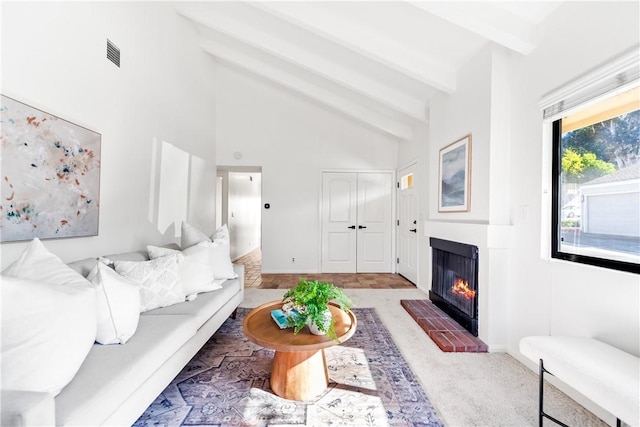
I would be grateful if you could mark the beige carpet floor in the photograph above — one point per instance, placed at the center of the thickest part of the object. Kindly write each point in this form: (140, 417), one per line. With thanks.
(466, 389)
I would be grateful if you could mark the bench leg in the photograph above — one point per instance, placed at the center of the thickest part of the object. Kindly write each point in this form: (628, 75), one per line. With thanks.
(542, 414)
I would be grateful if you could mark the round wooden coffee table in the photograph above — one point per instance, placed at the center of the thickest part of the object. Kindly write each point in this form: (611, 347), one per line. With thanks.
(299, 366)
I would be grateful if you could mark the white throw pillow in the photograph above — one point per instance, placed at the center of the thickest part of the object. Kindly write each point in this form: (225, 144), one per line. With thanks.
(47, 332)
(118, 305)
(158, 278)
(195, 270)
(221, 233)
(219, 249)
(48, 321)
(189, 235)
(220, 260)
(37, 263)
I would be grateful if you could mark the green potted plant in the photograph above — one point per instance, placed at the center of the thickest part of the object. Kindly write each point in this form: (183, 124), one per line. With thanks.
(310, 299)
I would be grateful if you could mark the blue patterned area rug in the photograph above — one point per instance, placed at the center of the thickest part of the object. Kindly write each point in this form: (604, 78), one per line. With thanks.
(227, 384)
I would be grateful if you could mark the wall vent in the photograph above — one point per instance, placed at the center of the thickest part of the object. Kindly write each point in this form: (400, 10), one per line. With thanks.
(113, 53)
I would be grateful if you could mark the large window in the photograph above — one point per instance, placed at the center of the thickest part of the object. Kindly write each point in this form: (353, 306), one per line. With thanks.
(596, 183)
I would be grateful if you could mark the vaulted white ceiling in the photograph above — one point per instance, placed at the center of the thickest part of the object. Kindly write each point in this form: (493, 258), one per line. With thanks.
(377, 62)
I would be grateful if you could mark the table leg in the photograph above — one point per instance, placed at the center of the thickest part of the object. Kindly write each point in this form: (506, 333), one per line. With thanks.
(299, 375)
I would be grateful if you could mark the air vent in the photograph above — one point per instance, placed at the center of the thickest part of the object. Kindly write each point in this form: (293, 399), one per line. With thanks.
(113, 53)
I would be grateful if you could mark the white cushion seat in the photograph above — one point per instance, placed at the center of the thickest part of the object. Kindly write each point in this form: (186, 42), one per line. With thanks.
(207, 303)
(97, 390)
(604, 374)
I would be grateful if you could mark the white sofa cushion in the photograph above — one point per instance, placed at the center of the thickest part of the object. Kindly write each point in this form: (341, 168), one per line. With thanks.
(27, 408)
(159, 281)
(48, 321)
(111, 373)
(118, 301)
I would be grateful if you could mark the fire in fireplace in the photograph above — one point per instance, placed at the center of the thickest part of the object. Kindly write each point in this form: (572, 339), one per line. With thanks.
(454, 285)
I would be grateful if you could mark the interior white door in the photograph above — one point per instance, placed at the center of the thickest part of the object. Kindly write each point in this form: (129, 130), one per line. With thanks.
(357, 222)
(407, 235)
(339, 217)
(374, 252)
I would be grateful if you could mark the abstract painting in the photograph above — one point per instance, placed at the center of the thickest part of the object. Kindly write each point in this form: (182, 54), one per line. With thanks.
(454, 180)
(50, 175)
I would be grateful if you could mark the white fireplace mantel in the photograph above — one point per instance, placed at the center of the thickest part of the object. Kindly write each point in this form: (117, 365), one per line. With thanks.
(493, 242)
(481, 234)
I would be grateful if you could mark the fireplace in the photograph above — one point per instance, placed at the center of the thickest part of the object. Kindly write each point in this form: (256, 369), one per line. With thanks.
(454, 285)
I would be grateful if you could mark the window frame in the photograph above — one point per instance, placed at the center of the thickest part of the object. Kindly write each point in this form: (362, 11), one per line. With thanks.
(556, 172)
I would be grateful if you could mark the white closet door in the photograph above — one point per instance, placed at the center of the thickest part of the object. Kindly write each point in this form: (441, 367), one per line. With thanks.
(339, 209)
(374, 252)
(357, 222)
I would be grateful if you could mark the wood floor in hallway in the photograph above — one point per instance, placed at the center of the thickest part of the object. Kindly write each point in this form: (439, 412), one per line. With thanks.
(253, 277)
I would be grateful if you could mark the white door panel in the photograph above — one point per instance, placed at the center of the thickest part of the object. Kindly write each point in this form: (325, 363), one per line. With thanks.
(357, 222)
(339, 210)
(407, 236)
(375, 209)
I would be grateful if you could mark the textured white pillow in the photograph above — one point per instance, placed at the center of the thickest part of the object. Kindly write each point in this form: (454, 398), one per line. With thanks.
(118, 305)
(194, 270)
(158, 278)
(48, 321)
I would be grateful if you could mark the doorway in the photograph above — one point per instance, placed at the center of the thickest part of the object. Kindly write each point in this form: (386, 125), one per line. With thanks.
(407, 224)
(239, 200)
(357, 210)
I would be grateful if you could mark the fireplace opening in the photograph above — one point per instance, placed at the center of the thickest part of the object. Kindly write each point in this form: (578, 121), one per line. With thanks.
(454, 285)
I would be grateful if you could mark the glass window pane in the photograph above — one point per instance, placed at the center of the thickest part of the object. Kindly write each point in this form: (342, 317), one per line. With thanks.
(406, 182)
(599, 187)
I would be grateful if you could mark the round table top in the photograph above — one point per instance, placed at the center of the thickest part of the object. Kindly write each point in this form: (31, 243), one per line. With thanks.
(261, 329)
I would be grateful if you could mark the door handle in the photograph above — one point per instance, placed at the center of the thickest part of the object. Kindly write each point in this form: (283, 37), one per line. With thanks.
(414, 230)
(362, 226)
(353, 227)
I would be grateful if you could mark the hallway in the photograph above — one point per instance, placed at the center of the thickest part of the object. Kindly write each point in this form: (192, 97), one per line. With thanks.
(253, 277)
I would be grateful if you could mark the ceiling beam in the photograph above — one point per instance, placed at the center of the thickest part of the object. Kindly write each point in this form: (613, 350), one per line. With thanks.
(309, 62)
(491, 22)
(372, 119)
(366, 43)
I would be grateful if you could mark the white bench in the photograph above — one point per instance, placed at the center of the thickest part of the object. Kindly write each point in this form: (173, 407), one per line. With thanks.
(602, 373)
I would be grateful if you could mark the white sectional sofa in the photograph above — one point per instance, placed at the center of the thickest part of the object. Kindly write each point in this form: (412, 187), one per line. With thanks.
(116, 383)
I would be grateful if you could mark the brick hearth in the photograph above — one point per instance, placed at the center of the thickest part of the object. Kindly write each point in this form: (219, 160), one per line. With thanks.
(442, 329)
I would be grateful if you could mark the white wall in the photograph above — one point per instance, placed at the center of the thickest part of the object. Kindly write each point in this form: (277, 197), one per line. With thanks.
(522, 291)
(550, 296)
(469, 111)
(293, 140)
(451, 117)
(54, 58)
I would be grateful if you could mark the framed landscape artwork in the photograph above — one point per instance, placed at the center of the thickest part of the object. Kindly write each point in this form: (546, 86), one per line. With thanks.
(454, 176)
(50, 175)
